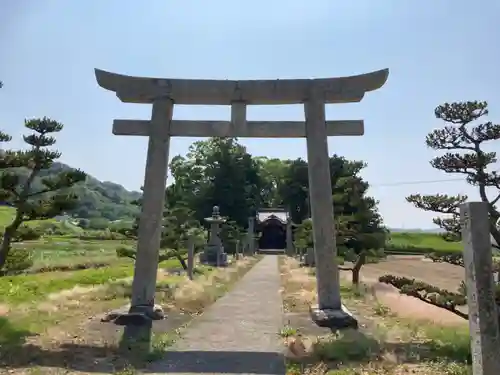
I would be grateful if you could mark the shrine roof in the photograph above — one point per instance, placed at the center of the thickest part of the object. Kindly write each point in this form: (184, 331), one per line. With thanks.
(282, 216)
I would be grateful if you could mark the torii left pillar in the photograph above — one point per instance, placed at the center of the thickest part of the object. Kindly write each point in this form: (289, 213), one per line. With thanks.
(149, 236)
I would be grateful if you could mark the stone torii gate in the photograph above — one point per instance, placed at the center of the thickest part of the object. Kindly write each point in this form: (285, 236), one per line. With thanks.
(313, 93)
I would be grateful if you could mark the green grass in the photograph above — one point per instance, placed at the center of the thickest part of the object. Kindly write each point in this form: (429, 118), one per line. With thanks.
(443, 350)
(34, 318)
(6, 216)
(31, 288)
(449, 342)
(421, 243)
(288, 331)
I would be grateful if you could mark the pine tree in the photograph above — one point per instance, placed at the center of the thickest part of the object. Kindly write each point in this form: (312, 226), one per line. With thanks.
(178, 226)
(16, 187)
(463, 141)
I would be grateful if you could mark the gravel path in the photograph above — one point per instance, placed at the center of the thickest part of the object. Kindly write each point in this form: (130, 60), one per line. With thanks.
(238, 334)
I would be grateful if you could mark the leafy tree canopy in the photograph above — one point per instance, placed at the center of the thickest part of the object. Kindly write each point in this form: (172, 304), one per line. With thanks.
(217, 172)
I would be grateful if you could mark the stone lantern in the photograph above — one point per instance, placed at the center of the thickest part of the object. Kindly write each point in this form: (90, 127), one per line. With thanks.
(214, 254)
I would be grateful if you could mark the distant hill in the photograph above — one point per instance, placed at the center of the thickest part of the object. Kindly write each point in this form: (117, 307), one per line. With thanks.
(96, 198)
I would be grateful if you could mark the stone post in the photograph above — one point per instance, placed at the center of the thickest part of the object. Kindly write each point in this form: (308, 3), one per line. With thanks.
(251, 235)
(237, 250)
(150, 224)
(478, 264)
(190, 259)
(320, 193)
(310, 258)
(289, 238)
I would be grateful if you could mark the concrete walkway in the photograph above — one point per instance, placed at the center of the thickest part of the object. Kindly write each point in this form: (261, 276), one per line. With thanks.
(238, 334)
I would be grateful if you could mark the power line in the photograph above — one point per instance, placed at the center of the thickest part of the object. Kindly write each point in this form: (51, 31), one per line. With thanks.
(420, 182)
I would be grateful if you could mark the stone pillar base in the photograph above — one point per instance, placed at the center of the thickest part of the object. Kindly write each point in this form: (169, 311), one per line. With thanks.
(333, 318)
(137, 315)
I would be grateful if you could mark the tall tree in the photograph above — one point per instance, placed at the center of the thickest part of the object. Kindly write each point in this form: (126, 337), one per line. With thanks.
(463, 140)
(294, 190)
(359, 226)
(272, 172)
(217, 172)
(16, 186)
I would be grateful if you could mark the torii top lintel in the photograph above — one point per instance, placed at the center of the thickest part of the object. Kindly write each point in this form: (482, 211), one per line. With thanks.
(131, 89)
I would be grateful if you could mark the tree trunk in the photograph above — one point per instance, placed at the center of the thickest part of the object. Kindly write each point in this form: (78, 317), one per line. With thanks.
(6, 242)
(355, 276)
(9, 231)
(182, 261)
(357, 267)
(495, 233)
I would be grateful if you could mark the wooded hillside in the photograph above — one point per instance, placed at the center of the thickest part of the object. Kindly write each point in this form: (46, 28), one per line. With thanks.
(96, 198)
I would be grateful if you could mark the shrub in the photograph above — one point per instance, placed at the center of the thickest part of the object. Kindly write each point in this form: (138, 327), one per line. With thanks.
(26, 233)
(451, 257)
(125, 252)
(100, 235)
(68, 267)
(84, 223)
(51, 228)
(98, 223)
(18, 260)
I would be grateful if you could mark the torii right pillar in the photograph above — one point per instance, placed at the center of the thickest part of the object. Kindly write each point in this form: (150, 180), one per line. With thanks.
(329, 312)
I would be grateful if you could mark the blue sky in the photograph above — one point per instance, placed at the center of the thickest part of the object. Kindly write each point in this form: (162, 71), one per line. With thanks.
(436, 51)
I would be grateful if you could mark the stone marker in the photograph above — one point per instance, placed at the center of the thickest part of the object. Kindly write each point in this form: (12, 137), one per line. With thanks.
(190, 259)
(478, 264)
(314, 93)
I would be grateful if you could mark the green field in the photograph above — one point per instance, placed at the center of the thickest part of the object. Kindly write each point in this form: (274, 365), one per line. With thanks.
(420, 243)
(7, 215)
(64, 261)
(61, 251)
(64, 250)
(31, 288)
(63, 229)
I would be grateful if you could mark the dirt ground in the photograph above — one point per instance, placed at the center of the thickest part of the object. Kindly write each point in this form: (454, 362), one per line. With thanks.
(442, 275)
